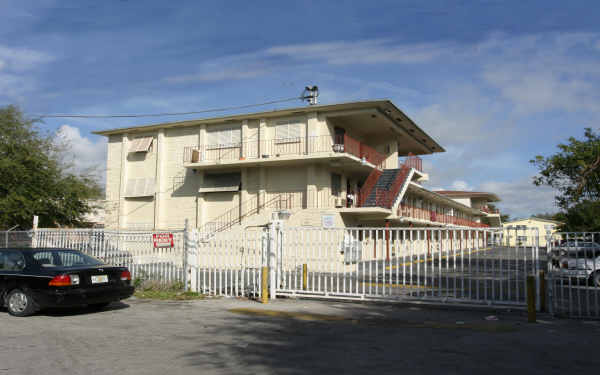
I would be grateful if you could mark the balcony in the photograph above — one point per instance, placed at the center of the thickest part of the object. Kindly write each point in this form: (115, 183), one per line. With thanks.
(412, 212)
(413, 161)
(252, 151)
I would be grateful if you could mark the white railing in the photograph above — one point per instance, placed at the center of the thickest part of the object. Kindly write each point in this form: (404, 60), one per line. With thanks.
(133, 249)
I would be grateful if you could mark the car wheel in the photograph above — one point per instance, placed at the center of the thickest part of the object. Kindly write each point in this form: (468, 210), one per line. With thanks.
(595, 279)
(20, 303)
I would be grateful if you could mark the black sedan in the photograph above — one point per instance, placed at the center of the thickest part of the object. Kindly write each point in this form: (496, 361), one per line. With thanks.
(34, 279)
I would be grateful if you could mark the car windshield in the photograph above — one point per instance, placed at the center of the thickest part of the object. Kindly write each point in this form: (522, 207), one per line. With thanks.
(63, 258)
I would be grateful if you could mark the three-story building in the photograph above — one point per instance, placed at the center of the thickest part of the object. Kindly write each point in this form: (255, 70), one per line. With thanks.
(348, 164)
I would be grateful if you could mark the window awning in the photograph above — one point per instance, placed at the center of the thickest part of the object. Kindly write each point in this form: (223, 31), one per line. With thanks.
(141, 144)
(221, 182)
(140, 187)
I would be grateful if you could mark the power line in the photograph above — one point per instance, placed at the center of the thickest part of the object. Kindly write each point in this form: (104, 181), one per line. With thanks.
(223, 109)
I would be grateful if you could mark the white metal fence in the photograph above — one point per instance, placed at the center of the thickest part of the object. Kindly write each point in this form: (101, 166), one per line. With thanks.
(449, 265)
(574, 274)
(437, 264)
(133, 249)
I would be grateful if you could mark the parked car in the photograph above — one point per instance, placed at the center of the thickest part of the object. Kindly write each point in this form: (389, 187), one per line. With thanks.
(563, 248)
(579, 261)
(34, 279)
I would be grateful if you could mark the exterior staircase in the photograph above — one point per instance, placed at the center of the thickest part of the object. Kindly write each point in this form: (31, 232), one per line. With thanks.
(382, 188)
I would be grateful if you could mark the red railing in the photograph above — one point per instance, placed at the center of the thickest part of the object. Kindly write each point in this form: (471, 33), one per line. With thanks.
(490, 210)
(386, 198)
(436, 217)
(368, 186)
(413, 161)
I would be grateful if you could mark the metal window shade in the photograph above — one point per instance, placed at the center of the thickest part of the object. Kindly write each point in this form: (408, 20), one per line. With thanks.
(221, 182)
(141, 144)
(140, 187)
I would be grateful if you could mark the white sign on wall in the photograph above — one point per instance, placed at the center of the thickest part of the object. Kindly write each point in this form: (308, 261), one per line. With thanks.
(328, 221)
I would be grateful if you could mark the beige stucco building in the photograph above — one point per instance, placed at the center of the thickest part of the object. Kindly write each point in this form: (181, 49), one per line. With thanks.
(226, 172)
(524, 232)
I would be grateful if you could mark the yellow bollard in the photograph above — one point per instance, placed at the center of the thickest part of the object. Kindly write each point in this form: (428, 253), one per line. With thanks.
(531, 314)
(543, 291)
(304, 277)
(264, 297)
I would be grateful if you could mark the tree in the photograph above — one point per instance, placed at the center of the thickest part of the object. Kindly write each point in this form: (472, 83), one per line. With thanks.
(34, 178)
(582, 217)
(574, 171)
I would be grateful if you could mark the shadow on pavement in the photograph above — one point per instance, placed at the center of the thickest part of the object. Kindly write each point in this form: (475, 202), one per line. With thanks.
(361, 342)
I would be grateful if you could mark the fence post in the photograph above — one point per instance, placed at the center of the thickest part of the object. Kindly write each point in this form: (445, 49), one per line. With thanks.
(264, 296)
(192, 259)
(543, 290)
(304, 276)
(531, 311)
(36, 221)
(185, 255)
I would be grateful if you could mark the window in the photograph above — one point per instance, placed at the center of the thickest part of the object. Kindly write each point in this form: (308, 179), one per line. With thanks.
(141, 144)
(140, 187)
(44, 258)
(224, 137)
(288, 131)
(11, 261)
(336, 184)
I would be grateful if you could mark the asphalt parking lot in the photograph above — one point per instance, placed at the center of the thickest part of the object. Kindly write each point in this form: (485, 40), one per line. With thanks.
(222, 336)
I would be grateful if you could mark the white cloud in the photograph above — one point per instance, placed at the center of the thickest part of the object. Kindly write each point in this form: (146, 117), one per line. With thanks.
(461, 185)
(521, 198)
(21, 59)
(16, 65)
(545, 72)
(84, 153)
(363, 52)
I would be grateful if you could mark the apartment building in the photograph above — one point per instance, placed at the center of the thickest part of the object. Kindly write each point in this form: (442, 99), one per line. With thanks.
(347, 164)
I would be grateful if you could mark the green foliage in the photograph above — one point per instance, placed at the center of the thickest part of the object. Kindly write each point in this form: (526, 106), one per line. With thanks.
(34, 179)
(582, 217)
(152, 289)
(574, 171)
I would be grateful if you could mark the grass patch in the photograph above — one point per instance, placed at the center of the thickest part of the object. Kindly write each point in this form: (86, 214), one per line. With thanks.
(164, 291)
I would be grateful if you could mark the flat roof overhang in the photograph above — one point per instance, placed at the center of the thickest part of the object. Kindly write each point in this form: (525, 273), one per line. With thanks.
(443, 199)
(389, 120)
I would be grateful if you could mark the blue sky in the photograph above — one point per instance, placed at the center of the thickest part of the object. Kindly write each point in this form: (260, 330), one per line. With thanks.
(494, 82)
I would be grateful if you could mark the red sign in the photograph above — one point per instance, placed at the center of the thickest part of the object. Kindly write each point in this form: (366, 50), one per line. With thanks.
(163, 240)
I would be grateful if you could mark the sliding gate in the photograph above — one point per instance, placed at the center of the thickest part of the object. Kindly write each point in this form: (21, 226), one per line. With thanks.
(438, 264)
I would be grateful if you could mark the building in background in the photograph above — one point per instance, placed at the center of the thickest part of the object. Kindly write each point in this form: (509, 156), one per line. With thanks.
(523, 232)
(348, 164)
(479, 200)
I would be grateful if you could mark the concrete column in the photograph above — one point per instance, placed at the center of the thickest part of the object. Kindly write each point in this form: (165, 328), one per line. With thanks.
(202, 140)
(244, 137)
(161, 156)
(262, 137)
(122, 221)
(244, 196)
(391, 161)
(262, 185)
(311, 199)
(201, 218)
(312, 130)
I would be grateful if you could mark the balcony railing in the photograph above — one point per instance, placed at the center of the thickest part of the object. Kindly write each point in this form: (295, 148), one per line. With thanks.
(436, 217)
(413, 161)
(490, 210)
(282, 147)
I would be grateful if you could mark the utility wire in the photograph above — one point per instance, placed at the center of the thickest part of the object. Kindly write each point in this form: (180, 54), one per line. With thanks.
(223, 109)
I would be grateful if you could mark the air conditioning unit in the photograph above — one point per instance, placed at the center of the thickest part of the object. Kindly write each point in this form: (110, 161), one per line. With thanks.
(339, 202)
(195, 156)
